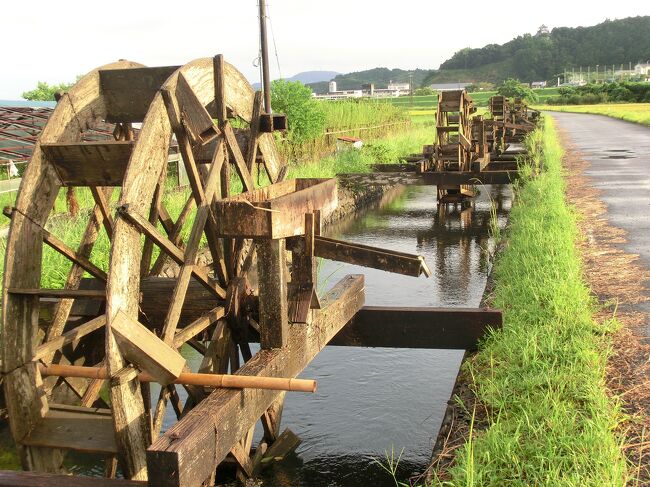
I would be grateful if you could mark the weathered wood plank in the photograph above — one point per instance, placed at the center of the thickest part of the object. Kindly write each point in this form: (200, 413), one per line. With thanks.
(286, 443)
(90, 163)
(188, 453)
(141, 85)
(79, 429)
(401, 327)
(367, 256)
(251, 150)
(198, 325)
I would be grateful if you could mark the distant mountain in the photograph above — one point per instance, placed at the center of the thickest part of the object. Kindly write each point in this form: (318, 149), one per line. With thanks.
(543, 55)
(307, 77)
(379, 76)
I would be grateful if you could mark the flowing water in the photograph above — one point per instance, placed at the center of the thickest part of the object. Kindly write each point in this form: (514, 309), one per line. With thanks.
(371, 402)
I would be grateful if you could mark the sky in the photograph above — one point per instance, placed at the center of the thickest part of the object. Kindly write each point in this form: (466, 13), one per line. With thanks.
(55, 42)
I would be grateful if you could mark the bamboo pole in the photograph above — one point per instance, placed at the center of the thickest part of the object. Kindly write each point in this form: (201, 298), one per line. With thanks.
(231, 381)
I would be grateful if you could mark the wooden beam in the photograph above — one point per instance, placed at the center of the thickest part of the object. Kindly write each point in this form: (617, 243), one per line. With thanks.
(194, 117)
(240, 162)
(190, 255)
(144, 349)
(189, 451)
(400, 327)
(70, 336)
(101, 197)
(172, 250)
(198, 325)
(468, 177)
(367, 256)
(272, 277)
(60, 293)
(13, 478)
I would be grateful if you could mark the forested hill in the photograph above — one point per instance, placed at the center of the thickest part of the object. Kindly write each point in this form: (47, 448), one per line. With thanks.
(379, 76)
(543, 55)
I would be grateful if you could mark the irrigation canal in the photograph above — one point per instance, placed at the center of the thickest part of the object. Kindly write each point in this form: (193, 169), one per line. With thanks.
(370, 401)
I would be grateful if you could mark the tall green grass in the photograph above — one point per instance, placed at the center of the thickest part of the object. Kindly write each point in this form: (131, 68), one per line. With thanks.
(542, 377)
(384, 150)
(364, 118)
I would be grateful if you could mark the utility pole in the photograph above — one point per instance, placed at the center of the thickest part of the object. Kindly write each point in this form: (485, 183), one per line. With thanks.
(597, 72)
(411, 88)
(266, 81)
(588, 74)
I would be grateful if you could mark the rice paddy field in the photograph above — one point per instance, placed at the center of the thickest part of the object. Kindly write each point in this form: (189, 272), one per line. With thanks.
(631, 112)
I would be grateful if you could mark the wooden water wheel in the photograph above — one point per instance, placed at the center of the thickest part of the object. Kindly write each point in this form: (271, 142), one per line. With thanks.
(122, 323)
(90, 316)
(454, 150)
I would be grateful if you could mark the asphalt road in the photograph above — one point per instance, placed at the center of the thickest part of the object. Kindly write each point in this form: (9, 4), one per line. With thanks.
(619, 157)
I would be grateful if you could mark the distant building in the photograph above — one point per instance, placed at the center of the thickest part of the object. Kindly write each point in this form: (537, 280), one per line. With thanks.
(642, 68)
(367, 90)
(538, 84)
(449, 86)
(398, 86)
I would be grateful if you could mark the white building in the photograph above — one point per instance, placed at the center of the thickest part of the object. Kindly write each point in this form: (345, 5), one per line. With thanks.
(642, 68)
(398, 86)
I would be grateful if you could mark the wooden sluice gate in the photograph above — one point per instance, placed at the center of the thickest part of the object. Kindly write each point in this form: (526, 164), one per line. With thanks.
(78, 362)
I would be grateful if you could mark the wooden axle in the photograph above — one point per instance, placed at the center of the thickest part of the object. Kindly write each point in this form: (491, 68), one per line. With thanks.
(229, 381)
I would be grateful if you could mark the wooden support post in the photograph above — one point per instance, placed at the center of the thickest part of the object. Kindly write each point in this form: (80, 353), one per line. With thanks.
(272, 275)
(251, 152)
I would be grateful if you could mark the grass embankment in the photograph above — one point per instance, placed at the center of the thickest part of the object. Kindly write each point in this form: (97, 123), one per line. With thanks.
(541, 379)
(631, 112)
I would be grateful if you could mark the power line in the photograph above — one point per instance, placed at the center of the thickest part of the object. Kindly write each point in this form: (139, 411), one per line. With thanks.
(275, 46)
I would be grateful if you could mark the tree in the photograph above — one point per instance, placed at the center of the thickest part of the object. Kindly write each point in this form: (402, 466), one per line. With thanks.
(305, 115)
(45, 92)
(426, 91)
(513, 88)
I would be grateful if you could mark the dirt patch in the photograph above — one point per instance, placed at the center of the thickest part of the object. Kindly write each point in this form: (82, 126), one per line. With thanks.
(619, 281)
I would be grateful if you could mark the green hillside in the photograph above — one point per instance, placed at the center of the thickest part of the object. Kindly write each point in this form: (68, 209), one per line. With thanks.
(546, 54)
(379, 76)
